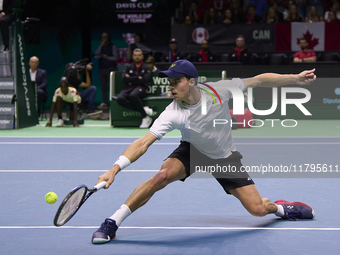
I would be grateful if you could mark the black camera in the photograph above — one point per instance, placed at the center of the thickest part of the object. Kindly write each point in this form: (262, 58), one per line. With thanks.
(74, 69)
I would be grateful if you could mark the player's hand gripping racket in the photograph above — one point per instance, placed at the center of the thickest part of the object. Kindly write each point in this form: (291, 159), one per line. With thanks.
(73, 201)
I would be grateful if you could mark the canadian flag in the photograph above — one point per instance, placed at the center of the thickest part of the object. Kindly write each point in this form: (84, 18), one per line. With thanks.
(200, 34)
(321, 36)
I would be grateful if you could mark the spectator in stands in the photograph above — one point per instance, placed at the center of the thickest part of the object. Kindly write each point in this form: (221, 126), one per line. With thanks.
(227, 18)
(136, 78)
(205, 54)
(173, 54)
(261, 7)
(219, 5)
(286, 11)
(64, 96)
(272, 17)
(251, 17)
(279, 14)
(88, 92)
(236, 10)
(301, 6)
(195, 14)
(335, 8)
(211, 17)
(108, 55)
(332, 17)
(304, 55)
(240, 52)
(293, 15)
(313, 15)
(39, 77)
(150, 61)
(6, 18)
(139, 43)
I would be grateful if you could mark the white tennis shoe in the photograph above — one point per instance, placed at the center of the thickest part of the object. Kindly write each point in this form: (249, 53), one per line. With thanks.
(60, 123)
(146, 122)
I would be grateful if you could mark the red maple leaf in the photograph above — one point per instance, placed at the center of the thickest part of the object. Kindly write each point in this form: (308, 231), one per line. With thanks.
(311, 42)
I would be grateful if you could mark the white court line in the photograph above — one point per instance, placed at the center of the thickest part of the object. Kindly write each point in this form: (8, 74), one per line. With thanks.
(160, 143)
(86, 125)
(70, 171)
(173, 137)
(75, 143)
(88, 137)
(177, 228)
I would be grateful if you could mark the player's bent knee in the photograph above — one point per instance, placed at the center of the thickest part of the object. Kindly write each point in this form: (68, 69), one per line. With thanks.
(258, 211)
(160, 180)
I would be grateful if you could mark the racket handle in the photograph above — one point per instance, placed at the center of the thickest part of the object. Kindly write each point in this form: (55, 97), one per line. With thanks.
(100, 185)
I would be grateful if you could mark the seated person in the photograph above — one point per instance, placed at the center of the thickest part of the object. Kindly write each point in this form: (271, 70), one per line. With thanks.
(136, 77)
(335, 9)
(236, 10)
(205, 54)
(331, 17)
(227, 17)
(64, 96)
(251, 17)
(293, 14)
(38, 76)
(195, 14)
(150, 61)
(173, 54)
(211, 17)
(240, 53)
(88, 93)
(313, 15)
(261, 7)
(272, 16)
(304, 55)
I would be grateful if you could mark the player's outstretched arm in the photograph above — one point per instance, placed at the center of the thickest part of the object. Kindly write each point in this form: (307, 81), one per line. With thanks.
(275, 80)
(131, 154)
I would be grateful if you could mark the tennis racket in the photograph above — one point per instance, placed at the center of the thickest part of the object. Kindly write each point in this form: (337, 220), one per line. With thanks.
(73, 201)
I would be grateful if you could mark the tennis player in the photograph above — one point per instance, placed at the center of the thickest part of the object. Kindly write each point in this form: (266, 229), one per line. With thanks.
(201, 145)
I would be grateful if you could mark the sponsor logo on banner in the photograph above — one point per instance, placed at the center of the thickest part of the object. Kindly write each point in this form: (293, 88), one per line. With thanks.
(200, 34)
(331, 101)
(134, 11)
(314, 33)
(24, 76)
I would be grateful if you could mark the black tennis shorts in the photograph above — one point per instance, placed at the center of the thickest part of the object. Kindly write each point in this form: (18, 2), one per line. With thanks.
(228, 172)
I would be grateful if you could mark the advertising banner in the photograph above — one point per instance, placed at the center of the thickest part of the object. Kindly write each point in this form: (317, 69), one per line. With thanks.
(27, 114)
(258, 37)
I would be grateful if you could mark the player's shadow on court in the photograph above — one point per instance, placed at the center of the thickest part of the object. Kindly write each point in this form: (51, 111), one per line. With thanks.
(183, 238)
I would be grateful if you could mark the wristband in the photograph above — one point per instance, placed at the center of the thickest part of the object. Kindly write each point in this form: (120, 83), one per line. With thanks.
(122, 162)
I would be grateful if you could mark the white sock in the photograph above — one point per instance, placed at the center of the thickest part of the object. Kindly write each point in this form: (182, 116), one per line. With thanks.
(121, 214)
(280, 211)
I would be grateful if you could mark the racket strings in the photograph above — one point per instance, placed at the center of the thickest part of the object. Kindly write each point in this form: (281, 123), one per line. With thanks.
(71, 205)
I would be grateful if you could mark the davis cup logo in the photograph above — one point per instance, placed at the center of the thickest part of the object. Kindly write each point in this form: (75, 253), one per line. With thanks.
(200, 34)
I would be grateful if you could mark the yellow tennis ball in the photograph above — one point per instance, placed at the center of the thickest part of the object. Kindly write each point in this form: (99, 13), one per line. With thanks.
(51, 197)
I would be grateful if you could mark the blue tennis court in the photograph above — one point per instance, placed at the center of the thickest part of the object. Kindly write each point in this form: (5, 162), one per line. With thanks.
(194, 217)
